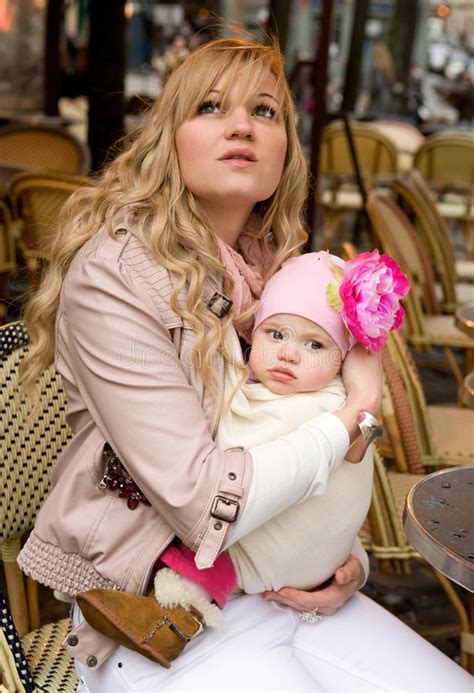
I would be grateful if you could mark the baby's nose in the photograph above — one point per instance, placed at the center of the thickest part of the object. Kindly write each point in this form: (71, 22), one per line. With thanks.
(289, 352)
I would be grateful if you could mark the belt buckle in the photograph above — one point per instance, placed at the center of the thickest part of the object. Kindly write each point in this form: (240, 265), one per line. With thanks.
(220, 304)
(179, 632)
(222, 514)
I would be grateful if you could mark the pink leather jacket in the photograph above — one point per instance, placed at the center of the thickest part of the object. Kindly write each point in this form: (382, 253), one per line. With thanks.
(125, 359)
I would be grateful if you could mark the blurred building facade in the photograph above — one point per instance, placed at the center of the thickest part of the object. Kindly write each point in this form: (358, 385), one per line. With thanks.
(159, 34)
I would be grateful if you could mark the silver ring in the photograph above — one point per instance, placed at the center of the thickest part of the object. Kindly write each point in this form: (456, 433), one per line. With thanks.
(310, 616)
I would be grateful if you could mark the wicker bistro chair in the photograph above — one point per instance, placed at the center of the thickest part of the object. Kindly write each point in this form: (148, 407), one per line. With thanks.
(446, 161)
(339, 193)
(43, 147)
(425, 325)
(36, 662)
(36, 200)
(422, 437)
(435, 235)
(419, 439)
(384, 538)
(31, 441)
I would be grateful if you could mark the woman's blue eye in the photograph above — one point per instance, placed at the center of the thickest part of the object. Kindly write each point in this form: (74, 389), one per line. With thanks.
(313, 344)
(276, 334)
(265, 110)
(209, 107)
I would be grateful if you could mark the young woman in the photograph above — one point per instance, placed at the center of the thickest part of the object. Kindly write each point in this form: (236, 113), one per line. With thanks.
(203, 205)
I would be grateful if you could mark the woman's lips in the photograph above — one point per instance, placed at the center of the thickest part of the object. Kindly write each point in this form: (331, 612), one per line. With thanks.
(282, 374)
(239, 163)
(239, 157)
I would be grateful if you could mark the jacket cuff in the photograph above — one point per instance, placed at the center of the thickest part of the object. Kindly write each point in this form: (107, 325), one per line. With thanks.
(225, 506)
(335, 431)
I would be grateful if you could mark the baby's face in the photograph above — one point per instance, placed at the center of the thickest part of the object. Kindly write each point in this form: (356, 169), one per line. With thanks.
(293, 354)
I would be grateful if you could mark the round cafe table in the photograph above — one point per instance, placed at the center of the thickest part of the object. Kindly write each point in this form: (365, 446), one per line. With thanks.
(439, 524)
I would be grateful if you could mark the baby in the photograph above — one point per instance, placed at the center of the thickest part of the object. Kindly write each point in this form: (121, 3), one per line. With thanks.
(301, 337)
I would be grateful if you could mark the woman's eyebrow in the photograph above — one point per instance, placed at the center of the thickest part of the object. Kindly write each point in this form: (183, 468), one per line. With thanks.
(269, 96)
(263, 94)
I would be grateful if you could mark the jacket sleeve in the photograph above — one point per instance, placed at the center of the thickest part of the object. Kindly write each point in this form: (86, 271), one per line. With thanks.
(128, 372)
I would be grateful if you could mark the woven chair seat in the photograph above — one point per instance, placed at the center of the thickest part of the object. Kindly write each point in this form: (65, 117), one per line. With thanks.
(442, 330)
(464, 293)
(457, 209)
(401, 485)
(342, 199)
(465, 269)
(51, 666)
(453, 430)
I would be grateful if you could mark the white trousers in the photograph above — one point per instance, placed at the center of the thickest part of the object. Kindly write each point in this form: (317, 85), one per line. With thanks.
(265, 647)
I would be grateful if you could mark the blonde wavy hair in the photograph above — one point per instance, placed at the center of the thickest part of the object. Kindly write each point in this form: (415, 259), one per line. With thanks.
(145, 179)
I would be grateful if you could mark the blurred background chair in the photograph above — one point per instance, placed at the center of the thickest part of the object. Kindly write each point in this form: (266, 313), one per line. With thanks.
(426, 327)
(36, 199)
(435, 235)
(406, 138)
(339, 193)
(32, 439)
(42, 147)
(446, 162)
(7, 255)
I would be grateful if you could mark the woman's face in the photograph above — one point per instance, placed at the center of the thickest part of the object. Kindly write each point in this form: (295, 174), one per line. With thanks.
(233, 150)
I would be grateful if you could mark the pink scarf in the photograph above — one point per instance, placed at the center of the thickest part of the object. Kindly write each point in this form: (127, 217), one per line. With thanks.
(246, 275)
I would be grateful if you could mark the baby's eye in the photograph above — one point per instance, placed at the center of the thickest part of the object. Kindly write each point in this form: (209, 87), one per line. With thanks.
(265, 110)
(276, 334)
(209, 107)
(313, 344)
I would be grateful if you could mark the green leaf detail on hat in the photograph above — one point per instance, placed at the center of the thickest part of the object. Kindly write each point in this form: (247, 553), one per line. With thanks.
(332, 295)
(337, 269)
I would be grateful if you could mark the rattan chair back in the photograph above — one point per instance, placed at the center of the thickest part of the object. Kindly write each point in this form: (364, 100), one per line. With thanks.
(7, 244)
(396, 236)
(42, 147)
(410, 433)
(31, 441)
(32, 438)
(446, 160)
(36, 200)
(377, 154)
(433, 230)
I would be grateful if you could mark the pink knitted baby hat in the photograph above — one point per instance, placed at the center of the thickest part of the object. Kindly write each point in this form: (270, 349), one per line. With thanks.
(299, 288)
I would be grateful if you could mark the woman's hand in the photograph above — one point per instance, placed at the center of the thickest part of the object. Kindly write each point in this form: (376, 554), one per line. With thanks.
(362, 376)
(346, 581)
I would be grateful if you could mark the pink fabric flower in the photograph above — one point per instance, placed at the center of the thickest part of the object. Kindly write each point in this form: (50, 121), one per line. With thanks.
(370, 292)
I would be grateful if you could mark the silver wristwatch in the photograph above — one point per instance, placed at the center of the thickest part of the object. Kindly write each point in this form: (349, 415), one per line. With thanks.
(369, 426)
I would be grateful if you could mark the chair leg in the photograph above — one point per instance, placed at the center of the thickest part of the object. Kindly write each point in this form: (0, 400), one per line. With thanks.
(33, 604)
(15, 586)
(466, 644)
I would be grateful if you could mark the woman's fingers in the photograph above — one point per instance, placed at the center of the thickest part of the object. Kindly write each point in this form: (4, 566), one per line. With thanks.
(347, 580)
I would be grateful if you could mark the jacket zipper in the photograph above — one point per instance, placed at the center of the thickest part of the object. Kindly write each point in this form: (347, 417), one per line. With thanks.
(216, 422)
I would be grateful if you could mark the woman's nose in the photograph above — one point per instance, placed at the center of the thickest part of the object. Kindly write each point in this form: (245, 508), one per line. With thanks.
(240, 124)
